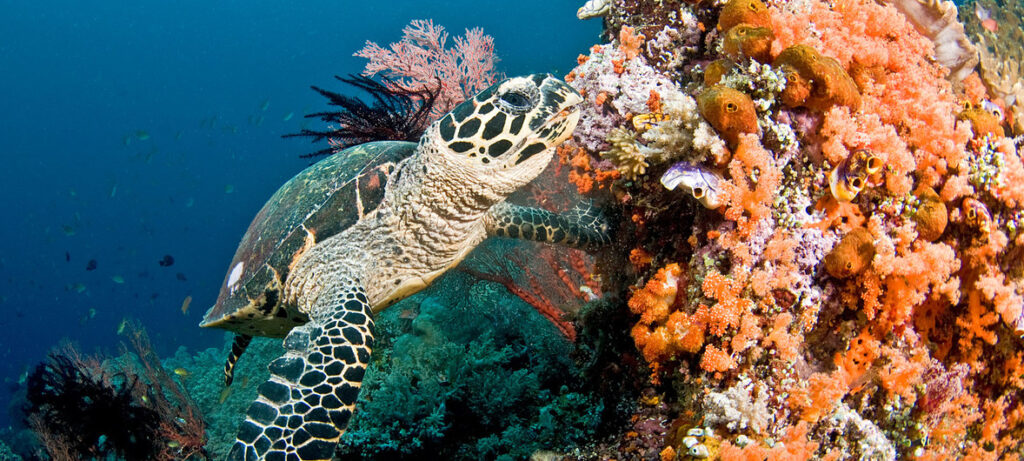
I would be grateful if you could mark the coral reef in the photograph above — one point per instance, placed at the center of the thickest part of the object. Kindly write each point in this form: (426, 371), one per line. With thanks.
(857, 292)
(88, 407)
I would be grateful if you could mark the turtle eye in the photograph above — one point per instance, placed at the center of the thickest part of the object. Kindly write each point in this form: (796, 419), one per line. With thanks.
(516, 101)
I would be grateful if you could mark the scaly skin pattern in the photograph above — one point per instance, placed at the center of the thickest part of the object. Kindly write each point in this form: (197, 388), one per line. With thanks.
(435, 210)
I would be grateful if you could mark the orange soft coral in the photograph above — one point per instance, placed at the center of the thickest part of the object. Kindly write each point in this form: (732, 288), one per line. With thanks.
(716, 360)
(653, 303)
(630, 42)
(913, 96)
(750, 200)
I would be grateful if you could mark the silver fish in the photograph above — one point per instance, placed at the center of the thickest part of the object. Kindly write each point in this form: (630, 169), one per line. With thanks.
(702, 184)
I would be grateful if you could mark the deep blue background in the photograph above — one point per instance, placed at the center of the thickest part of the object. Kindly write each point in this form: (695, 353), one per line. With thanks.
(79, 77)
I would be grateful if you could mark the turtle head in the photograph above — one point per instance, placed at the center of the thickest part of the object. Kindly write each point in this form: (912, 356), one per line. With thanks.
(512, 128)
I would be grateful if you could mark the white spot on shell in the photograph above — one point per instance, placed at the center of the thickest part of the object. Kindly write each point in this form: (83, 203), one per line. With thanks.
(236, 274)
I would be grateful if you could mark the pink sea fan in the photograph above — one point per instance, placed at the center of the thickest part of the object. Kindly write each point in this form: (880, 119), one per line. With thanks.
(420, 61)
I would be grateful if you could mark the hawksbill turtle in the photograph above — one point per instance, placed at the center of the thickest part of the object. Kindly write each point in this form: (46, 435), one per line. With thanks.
(368, 226)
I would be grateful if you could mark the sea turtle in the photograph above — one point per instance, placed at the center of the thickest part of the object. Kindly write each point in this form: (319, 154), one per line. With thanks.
(369, 226)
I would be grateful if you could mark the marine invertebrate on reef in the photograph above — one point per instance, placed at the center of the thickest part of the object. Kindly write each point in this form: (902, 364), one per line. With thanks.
(88, 407)
(625, 153)
(731, 112)
(420, 61)
(717, 69)
(747, 40)
(852, 255)
(751, 12)
(937, 20)
(815, 81)
(397, 114)
(75, 404)
(1001, 72)
(850, 176)
(983, 122)
(703, 185)
(931, 215)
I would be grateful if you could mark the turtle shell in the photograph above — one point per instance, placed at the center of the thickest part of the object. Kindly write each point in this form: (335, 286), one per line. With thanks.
(321, 201)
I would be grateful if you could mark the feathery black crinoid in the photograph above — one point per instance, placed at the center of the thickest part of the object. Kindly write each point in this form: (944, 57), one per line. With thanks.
(90, 414)
(396, 115)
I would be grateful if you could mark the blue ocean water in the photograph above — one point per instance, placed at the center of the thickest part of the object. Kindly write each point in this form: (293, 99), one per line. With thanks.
(134, 130)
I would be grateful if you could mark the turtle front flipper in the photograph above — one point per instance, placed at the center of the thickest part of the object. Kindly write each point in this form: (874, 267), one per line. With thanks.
(304, 407)
(582, 227)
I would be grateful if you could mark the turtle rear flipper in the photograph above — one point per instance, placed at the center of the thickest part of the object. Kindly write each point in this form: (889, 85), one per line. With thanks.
(306, 404)
(582, 227)
(237, 349)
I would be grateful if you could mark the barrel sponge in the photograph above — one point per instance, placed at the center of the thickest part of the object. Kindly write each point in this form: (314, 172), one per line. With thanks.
(852, 255)
(814, 81)
(931, 215)
(752, 12)
(748, 40)
(731, 112)
(717, 70)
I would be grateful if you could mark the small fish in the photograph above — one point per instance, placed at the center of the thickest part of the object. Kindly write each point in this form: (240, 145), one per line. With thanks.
(265, 105)
(703, 185)
(67, 256)
(92, 312)
(644, 122)
(142, 135)
(91, 265)
(985, 16)
(185, 304)
(288, 116)
(173, 444)
(77, 287)
(224, 394)
(407, 314)
(117, 279)
(229, 188)
(181, 277)
(182, 372)
(127, 140)
(178, 135)
(191, 201)
(166, 261)
(68, 230)
(113, 191)
(121, 327)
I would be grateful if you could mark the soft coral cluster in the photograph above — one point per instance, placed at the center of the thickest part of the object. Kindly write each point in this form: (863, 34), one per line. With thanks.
(938, 290)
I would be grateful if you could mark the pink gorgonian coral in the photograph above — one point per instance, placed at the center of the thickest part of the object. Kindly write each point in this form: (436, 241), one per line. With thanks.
(420, 62)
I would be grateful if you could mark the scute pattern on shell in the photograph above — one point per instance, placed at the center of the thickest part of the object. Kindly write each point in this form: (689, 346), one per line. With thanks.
(323, 200)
